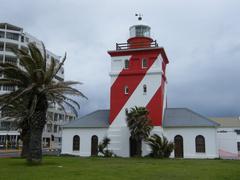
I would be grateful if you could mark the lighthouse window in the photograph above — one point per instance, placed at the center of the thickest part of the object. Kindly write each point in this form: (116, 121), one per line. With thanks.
(126, 64)
(126, 90)
(144, 89)
(144, 63)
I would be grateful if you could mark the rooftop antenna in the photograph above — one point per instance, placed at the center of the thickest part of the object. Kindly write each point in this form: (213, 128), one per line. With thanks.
(139, 16)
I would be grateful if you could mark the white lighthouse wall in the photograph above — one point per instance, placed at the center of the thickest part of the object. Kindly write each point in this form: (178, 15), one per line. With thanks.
(85, 135)
(189, 135)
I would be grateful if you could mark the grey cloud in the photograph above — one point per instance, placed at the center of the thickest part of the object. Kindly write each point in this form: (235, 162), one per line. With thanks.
(200, 38)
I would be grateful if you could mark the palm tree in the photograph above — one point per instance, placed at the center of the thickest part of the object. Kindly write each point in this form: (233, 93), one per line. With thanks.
(36, 83)
(160, 146)
(139, 126)
(18, 112)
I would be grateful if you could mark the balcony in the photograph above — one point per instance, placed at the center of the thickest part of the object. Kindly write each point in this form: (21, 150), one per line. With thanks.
(11, 60)
(136, 45)
(1, 46)
(2, 34)
(10, 46)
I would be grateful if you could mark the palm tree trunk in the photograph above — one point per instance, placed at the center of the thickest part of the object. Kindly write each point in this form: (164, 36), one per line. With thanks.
(37, 122)
(139, 148)
(25, 136)
(35, 142)
(35, 146)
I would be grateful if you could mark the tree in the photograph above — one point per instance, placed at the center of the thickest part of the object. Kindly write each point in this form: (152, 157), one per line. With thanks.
(18, 112)
(139, 126)
(37, 85)
(160, 146)
(103, 147)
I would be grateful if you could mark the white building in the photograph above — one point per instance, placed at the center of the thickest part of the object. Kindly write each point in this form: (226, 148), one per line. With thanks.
(228, 137)
(138, 78)
(13, 36)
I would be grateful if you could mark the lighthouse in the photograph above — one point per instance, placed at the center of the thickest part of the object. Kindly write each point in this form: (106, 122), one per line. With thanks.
(138, 78)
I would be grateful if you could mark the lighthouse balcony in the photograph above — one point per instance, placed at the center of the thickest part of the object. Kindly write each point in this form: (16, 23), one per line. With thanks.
(133, 44)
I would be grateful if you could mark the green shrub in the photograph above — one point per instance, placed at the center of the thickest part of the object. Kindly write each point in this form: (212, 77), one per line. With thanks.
(160, 146)
(103, 148)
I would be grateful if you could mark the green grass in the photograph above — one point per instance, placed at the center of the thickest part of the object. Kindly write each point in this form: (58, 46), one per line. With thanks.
(69, 168)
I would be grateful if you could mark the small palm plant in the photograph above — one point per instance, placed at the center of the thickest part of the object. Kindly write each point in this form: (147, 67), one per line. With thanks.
(37, 86)
(103, 147)
(139, 126)
(160, 146)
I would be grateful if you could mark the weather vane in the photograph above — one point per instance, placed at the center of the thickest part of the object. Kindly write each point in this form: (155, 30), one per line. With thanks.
(139, 16)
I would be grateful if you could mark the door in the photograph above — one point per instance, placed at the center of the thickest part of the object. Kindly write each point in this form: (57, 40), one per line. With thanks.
(132, 147)
(178, 146)
(94, 146)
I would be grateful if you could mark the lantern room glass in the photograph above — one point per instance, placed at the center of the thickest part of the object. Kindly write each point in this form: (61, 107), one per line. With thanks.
(140, 31)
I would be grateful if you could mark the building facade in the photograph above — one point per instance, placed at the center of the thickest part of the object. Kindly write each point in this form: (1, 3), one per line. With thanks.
(138, 78)
(12, 36)
(228, 137)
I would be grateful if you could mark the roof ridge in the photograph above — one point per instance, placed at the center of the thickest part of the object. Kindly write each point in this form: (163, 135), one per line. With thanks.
(92, 113)
(207, 119)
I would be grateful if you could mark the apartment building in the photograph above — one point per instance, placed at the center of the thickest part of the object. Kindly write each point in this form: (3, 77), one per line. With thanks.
(12, 36)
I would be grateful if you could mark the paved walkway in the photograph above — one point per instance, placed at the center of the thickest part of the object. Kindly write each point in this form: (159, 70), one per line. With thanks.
(9, 153)
(16, 153)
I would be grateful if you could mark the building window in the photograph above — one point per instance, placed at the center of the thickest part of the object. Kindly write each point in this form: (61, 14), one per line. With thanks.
(55, 128)
(10, 46)
(76, 143)
(126, 64)
(71, 118)
(1, 47)
(200, 144)
(144, 89)
(8, 88)
(238, 146)
(12, 36)
(126, 90)
(2, 34)
(25, 49)
(49, 128)
(11, 60)
(237, 131)
(144, 63)
(22, 38)
(61, 117)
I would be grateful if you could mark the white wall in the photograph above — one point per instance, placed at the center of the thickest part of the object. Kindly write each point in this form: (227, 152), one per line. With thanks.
(120, 143)
(227, 140)
(85, 135)
(145, 147)
(189, 135)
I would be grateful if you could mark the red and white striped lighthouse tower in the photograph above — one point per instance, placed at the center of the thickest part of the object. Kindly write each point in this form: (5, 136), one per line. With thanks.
(138, 78)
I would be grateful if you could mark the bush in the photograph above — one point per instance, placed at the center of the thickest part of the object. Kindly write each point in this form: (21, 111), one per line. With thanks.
(160, 146)
(103, 148)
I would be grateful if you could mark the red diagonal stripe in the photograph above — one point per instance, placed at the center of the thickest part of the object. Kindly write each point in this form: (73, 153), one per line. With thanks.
(155, 106)
(128, 77)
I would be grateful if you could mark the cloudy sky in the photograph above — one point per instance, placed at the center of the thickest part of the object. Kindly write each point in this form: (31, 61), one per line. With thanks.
(201, 39)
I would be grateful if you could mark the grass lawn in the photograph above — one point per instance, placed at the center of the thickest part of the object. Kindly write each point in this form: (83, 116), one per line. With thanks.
(69, 168)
